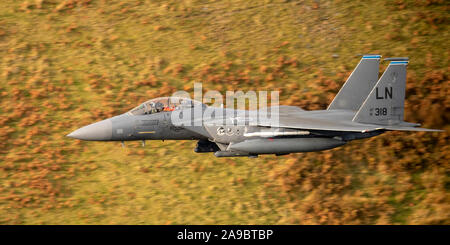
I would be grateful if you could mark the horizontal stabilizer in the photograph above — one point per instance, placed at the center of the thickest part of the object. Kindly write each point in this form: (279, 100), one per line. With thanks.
(412, 129)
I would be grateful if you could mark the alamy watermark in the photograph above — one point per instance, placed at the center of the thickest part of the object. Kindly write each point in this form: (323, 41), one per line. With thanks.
(242, 108)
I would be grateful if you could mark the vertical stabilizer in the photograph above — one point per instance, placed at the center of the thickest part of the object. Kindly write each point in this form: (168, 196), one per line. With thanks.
(385, 103)
(358, 85)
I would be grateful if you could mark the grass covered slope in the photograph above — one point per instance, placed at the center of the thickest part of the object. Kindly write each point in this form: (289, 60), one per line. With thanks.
(65, 64)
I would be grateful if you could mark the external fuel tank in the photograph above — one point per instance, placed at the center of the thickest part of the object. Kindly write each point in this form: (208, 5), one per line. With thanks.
(285, 145)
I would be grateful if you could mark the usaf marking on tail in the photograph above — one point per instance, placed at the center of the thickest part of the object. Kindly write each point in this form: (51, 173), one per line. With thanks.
(364, 107)
(387, 93)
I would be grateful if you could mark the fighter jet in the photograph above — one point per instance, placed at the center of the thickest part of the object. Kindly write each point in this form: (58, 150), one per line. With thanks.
(364, 107)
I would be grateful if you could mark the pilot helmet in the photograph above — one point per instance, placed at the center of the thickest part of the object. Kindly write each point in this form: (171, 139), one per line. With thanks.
(159, 106)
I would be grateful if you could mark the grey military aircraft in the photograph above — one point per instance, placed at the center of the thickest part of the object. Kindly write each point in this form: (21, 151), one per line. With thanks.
(364, 107)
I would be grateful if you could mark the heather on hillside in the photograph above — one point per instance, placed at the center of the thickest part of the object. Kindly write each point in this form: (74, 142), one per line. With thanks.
(68, 63)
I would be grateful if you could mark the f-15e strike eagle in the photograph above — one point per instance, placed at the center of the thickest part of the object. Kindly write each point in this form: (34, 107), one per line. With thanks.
(364, 107)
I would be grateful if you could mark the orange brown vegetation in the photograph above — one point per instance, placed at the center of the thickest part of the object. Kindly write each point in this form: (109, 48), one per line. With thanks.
(97, 59)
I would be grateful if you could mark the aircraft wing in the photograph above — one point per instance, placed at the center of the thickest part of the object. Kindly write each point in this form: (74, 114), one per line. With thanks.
(308, 123)
(333, 123)
(285, 109)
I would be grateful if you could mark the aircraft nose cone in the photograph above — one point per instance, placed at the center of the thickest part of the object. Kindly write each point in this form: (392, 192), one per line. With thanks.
(100, 131)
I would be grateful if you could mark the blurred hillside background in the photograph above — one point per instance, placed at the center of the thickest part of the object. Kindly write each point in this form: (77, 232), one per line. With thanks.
(65, 64)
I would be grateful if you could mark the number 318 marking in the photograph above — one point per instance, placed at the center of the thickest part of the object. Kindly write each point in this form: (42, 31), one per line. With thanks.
(381, 111)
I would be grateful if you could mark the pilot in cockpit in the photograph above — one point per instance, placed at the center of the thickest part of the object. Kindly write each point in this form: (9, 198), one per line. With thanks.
(164, 104)
(159, 106)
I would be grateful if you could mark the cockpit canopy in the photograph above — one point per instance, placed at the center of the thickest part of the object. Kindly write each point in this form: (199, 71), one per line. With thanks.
(163, 104)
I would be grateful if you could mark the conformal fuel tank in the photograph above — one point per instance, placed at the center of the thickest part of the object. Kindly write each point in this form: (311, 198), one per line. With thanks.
(285, 145)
